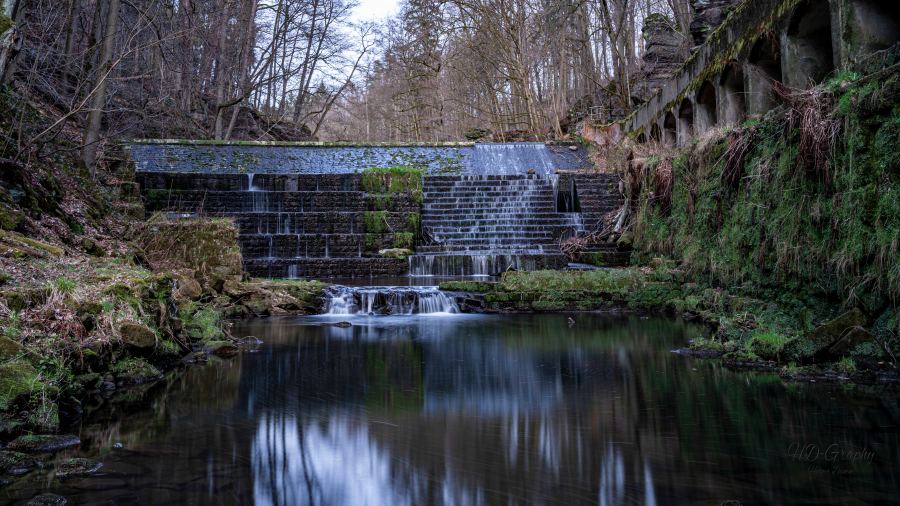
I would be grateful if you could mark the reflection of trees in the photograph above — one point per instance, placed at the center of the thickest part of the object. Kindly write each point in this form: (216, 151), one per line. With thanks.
(520, 409)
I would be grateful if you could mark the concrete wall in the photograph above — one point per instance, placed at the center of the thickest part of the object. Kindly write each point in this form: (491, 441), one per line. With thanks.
(797, 42)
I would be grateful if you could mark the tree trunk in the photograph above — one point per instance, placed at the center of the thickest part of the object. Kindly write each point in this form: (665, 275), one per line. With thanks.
(98, 102)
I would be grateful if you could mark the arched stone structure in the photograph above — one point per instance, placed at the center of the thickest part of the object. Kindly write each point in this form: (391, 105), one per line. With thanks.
(655, 133)
(685, 122)
(763, 67)
(732, 104)
(670, 129)
(705, 116)
(642, 138)
(808, 53)
(873, 25)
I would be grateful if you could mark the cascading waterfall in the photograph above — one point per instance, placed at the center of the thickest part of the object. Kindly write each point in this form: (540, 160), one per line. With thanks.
(388, 300)
(486, 225)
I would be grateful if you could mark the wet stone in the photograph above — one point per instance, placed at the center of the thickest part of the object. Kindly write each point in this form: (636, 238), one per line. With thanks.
(16, 463)
(77, 467)
(47, 500)
(43, 443)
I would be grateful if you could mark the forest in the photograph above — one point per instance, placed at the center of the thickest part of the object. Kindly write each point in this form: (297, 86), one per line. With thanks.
(295, 70)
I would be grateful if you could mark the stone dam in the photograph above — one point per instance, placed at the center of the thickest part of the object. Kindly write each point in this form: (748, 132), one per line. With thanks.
(308, 210)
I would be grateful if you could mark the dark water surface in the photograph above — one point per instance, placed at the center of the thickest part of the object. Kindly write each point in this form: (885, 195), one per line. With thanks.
(468, 409)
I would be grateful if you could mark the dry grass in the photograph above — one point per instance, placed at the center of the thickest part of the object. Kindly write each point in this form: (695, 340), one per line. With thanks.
(740, 140)
(663, 183)
(812, 113)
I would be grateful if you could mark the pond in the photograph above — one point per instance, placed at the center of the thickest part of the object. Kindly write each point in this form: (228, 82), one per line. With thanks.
(482, 409)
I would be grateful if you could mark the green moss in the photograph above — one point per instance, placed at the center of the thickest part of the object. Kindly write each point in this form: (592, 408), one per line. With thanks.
(201, 324)
(375, 222)
(766, 345)
(846, 365)
(404, 240)
(18, 379)
(5, 22)
(64, 284)
(467, 286)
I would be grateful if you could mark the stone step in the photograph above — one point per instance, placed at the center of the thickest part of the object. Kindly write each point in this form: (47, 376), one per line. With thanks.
(500, 208)
(225, 202)
(312, 223)
(483, 263)
(265, 246)
(488, 215)
(435, 222)
(485, 195)
(548, 200)
(498, 229)
(321, 268)
(482, 177)
(237, 182)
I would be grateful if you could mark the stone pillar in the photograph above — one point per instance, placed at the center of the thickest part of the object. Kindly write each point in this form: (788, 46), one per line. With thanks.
(708, 15)
(663, 55)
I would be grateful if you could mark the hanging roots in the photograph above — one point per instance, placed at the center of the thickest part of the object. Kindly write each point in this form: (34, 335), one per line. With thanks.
(663, 182)
(811, 112)
(739, 142)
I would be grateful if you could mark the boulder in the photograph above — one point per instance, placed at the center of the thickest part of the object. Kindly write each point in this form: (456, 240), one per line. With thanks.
(815, 346)
(849, 340)
(134, 371)
(237, 290)
(137, 335)
(9, 348)
(186, 287)
(222, 349)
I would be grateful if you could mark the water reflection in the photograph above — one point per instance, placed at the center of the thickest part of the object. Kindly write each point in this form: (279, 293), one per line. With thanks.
(482, 410)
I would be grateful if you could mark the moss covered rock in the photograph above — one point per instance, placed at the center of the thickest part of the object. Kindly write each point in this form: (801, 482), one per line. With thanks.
(16, 463)
(18, 379)
(137, 336)
(77, 467)
(43, 443)
(134, 371)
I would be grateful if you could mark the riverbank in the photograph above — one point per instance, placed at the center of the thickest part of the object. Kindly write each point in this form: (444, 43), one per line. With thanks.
(802, 337)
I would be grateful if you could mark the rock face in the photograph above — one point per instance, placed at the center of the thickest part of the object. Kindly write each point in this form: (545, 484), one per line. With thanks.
(708, 15)
(663, 55)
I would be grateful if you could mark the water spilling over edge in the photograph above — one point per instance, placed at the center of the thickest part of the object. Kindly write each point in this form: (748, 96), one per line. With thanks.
(387, 300)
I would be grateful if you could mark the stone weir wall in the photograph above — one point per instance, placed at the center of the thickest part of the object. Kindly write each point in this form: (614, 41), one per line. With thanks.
(730, 76)
(291, 226)
(334, 158)
(323, 211)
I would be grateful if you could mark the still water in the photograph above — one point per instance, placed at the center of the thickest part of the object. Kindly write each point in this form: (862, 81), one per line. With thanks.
(466, 409)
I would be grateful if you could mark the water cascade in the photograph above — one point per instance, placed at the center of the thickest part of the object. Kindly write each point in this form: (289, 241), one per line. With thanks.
(388, 300)
(485, 225)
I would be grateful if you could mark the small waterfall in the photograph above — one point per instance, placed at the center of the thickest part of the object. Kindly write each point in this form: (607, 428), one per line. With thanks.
(388, 300)
(486, 225)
